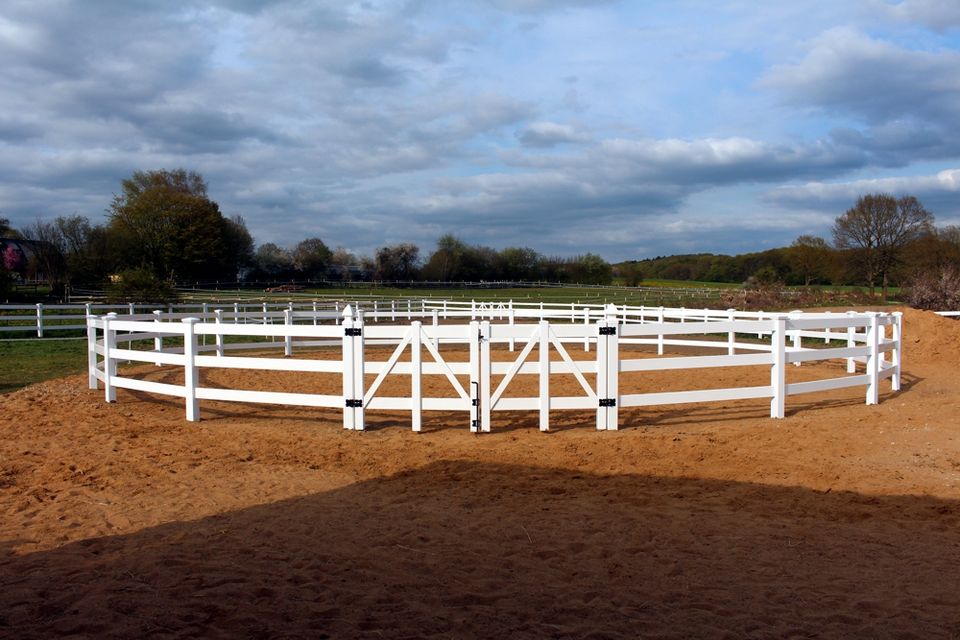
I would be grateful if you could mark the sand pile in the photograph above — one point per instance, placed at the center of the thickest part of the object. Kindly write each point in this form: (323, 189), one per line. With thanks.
(708, 521)
(929, 337)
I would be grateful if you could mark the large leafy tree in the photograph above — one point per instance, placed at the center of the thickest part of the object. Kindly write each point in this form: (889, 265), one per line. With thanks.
(164, 222)
(809, 258)
(311, 257)
(877, 229)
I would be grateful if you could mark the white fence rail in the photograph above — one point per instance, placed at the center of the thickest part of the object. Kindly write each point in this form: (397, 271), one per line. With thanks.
(869, 343)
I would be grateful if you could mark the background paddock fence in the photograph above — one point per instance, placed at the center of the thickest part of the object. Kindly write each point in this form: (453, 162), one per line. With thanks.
(421, 338)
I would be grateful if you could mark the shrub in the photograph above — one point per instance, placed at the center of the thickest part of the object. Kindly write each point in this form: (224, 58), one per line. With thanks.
(139, 285)
(936, 289)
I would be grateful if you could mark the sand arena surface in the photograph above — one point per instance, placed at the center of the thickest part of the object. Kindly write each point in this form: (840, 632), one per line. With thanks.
(706, 521)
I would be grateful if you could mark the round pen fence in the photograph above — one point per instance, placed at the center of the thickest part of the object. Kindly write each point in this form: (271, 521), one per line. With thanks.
(479, 351)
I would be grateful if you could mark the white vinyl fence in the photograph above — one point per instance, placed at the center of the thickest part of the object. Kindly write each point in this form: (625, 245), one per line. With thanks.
(335, 343)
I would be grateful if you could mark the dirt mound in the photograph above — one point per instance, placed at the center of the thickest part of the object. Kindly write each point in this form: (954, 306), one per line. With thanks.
(929, 338)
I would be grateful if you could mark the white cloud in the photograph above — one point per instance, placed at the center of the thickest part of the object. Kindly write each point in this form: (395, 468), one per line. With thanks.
(939, 192)
(852, 74)
(938, 15)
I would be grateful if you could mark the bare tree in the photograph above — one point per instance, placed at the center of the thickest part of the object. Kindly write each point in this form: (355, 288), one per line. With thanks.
(877, 228)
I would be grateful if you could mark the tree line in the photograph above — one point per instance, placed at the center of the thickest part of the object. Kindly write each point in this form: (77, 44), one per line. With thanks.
(881, 241)
(162, 228)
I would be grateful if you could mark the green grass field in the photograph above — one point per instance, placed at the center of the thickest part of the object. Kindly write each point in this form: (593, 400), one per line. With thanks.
(28, 361)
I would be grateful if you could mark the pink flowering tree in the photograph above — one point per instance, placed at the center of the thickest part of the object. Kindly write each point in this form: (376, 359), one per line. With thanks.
(13, 258)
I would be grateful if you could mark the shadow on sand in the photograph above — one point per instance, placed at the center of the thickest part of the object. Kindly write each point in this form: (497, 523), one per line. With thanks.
(462, 549)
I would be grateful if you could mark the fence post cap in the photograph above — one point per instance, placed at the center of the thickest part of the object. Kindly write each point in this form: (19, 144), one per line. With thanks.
(347, 312)
(191, 320)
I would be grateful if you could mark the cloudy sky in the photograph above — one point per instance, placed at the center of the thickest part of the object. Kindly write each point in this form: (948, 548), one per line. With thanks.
(630, 129)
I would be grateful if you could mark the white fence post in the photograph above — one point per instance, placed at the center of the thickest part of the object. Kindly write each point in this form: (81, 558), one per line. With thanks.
(586, 333)
(474, 340)
(352, 370)
(660, 320)
(511, 321)
(851, 342)
(157, 339)
(416, 371)
(190, 369)
(897, 358)
(732, 335)
(436, 321)
(544, 375)
(348, 393)
(608, 369)
(287, 338)
(797, 339)
(39, 319)
(873, 360)
(91, 352)
(485, 376)
(109, 364)
(778, 346)
(218, 320)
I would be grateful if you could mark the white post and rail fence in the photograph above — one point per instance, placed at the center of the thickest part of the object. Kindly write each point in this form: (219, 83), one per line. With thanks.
(499, 341)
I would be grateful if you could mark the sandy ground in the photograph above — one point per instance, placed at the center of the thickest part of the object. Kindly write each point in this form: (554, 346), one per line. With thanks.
(694, 521)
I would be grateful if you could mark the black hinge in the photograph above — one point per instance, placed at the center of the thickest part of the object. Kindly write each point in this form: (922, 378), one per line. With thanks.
(353, 331)
(608, 402)
(475, 402)
(608, 331)
(354, 404)
(475, 424)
